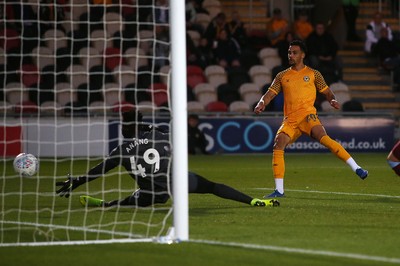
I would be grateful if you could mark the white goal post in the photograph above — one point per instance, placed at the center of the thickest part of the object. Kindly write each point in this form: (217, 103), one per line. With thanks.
(179, 112)
(68, 69)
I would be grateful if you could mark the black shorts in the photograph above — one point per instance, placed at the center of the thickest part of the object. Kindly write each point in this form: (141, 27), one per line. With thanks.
(196, 184)
(143, 198)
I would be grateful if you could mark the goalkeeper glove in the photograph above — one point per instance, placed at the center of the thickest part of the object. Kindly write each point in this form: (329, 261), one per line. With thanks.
(70, 184)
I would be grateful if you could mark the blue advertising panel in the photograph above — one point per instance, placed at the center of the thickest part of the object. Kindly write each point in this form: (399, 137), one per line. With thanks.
(256, 134)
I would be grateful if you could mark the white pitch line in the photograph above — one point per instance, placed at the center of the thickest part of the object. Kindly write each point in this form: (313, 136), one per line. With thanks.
(336, 193)
(301, 251)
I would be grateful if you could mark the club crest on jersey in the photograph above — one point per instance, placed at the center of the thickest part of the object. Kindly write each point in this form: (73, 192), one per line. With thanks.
(306, 78)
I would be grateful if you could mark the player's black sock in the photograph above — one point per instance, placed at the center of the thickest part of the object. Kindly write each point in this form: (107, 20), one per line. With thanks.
(124, 202)
(206, 186)
(227, 192)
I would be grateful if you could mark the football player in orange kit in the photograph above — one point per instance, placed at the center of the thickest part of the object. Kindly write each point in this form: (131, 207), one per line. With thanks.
(299, 84)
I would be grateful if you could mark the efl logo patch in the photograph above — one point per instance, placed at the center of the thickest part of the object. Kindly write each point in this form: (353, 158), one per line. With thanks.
(306, 78)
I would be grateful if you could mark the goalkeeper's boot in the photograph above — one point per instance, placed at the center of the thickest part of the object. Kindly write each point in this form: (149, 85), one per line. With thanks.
(275, 194)
(88, 201)
(362, 173)
(263, 203)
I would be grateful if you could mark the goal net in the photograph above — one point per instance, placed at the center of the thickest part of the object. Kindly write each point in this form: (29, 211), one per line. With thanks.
(68, 69)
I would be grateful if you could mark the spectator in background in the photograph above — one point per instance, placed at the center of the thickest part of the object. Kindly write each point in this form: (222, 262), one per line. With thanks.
(388, 53)
(191, 12)
(350, 10)
(205, 52)
(385, 49)
(302, 26)
(161, 12)
(196, 55)
(237, 29)
(197, 142)
(215, 27)
(227, 50)
(49, 14)
(144, 10)
(198, 5)
(373, 32)
(283, 47)
(161, 19)
(322, 52)
(277, 27)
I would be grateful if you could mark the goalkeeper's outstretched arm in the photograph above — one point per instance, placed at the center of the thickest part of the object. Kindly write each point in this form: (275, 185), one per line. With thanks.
(67, 186)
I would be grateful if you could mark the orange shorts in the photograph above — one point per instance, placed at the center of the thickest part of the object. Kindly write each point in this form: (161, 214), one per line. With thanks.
(295, 128)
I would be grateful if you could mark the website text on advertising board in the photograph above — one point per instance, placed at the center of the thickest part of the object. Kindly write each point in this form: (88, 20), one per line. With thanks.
(380, 144)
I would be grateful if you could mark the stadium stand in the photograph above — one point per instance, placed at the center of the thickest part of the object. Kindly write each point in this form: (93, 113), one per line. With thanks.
(195, 107)
(112, 48)
(239, 106)
(216, 106)
(195, 76)
(260, 75)
(216, 75)
(205, 93)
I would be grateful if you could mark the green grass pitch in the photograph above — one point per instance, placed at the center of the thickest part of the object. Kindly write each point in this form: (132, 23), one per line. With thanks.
(328, 217)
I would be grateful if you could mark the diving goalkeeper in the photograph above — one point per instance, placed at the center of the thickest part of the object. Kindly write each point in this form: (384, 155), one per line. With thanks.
(146, 156)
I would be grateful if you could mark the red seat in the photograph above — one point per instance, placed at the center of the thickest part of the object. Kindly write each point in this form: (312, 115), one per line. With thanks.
(159, 93)
(194, 70)
(30, 75)
(160, 98)
(158, 87)
(195, 75)
(26, 107)
(9, 39)
(216, 106)
(123, 106)
(195, 79)
(128, 8)
(113, 57)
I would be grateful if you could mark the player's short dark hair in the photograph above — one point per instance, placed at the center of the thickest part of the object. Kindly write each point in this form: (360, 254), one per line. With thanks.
(300, 44)
(130, 122)
(193, 116)
(132, 116)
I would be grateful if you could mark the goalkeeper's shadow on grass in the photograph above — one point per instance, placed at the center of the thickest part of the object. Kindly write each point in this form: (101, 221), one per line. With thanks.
(374, 199)
(157, 208)
(220, 210)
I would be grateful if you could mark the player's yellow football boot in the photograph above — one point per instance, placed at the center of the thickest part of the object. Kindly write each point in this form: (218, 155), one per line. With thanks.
(88, 201)
(263, 203)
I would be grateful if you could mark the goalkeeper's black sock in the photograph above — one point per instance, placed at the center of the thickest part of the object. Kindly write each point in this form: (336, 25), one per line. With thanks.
(203, 185)
(227, 192)
(124, 202)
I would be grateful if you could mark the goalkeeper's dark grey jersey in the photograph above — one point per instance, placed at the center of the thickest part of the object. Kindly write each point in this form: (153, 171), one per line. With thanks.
(146, 158)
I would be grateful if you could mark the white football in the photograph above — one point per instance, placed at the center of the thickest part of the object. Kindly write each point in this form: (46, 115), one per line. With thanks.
(26, 164)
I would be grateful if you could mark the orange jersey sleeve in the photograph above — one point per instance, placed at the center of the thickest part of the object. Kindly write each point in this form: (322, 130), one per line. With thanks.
(299, 90)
